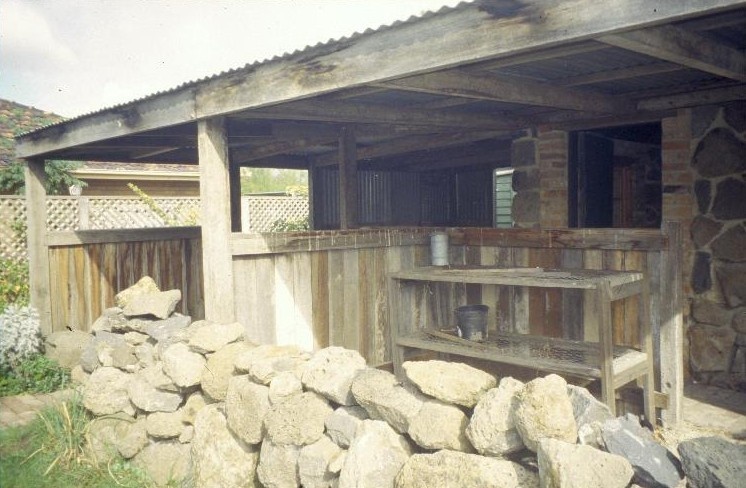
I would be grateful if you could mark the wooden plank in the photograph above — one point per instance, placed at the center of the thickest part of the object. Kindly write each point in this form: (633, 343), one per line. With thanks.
(592, 260)
(693, 98)
(490, 294)
(57, 290)
(348, 183)
(619, 74)
(458, 83)
(365, 303)
(214, 179)
(634, 261)
(250, 244)
(244, 282)
(320, 298)
(193, 277)
(336, 299)
(121, 235)
(265, 300)
(351, 314)
(78, 295)
(684, 47)
(614, 260)
(36, 232)
(572, 300)
(303, 300)
(93, 285)
(380, 351)
(284, 293)
(505, 315)
(521, 309)
(603, 317)
(631, 239)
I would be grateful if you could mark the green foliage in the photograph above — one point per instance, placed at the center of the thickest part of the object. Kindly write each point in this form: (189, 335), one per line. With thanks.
(167, 218)
(290, 225)
(50, 453)
(59, 177)
(36, 374)
(270, 180)
(14, 283)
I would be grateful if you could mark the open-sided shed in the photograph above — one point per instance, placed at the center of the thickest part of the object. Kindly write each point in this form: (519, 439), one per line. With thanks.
(402, 128)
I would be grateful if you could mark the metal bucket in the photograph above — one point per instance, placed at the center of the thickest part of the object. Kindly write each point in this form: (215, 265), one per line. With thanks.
(439, 249)
(472, 322)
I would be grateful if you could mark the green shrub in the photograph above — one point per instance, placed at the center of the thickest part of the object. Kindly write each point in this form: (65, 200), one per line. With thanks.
(36, 374)
(290, 225)
(14, 283)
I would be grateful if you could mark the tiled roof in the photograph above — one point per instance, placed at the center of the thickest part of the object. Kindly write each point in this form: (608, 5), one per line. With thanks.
(16, 119)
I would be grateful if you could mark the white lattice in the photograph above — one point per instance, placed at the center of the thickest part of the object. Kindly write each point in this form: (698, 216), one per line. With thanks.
(126, 213)
(12, 212)
(263, 211)
(62, 214)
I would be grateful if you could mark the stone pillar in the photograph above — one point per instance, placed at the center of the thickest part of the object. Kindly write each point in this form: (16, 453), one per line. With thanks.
(718, 238)
(524, 156)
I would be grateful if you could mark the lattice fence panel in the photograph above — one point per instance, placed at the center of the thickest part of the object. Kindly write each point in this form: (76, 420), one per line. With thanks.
(62, 214)
(263, 211)
(129, 213)
(12, 210)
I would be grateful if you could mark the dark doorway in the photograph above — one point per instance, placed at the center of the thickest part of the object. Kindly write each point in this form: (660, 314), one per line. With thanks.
(615, 177)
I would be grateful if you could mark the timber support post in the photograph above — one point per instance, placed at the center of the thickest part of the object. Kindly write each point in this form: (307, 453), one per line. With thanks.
(36, 235)
(215, 186)
(348, 218)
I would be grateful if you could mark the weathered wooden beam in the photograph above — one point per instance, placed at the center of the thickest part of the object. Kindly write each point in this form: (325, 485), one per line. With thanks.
(619, 74)
(36, 236)
(458, 83)
(347, 179)
(412, 144)
(351, 113)
(683, 47)
(101, 236)
(214, 186)
(692, 99)
(536, 56)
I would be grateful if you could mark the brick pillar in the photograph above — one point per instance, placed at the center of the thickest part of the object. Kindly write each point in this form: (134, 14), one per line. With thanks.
(553, 155)
(678, 181)
(526, 202)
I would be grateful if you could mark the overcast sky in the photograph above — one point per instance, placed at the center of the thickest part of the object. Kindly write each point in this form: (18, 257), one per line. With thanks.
(75, 56)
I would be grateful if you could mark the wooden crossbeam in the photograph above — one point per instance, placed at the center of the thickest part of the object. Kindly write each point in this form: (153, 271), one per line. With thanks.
(683, 47)
(346, 112)
(619, 74)
(458, 83)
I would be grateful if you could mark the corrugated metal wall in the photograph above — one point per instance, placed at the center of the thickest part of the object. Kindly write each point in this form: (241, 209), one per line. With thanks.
(439, 198)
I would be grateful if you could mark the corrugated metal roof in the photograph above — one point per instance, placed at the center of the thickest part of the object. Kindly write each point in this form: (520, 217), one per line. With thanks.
(287, 55)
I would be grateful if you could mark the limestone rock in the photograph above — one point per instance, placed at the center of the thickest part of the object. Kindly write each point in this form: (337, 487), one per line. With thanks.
(183, 366)
(704, 229)
(159, 304)
(278, 465)
(707, 312)
(440, 425)
(219, 459)
(66, 347)
(246, 406)
(728, 201)
(731, 244)
(375, 457)
(161, 330)
(283, 386)
(131, 437)
(545, 410)
(330, 373)
(314, 463)
(78, 376)
(135, 338)
(155, 376)
(106, 392)
(145, 354)
(713, 461)
(457, 469)
(739, 322)
(719, 153)
(380, 394)
(110, 319)
(298, 421)
(566, 465)
(449, 382)
(192, 406)
(220, 369)
(492, 429)
(164, 425)
(165, 463)
(342, 424)
(732, 279)
(148, 398)
(585, 408)
(265, 370)
(212, 337)
(122, 357)
(102, 341)
(590, 435)
(654, 465)
(709, 347)
(187, 434)
(105, 434)
(145, 285)
(246, 360)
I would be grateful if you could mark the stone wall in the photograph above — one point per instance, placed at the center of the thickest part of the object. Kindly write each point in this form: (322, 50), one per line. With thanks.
(718, 232)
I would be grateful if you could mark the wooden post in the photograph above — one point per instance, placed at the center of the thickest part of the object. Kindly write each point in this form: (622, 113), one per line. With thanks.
(606, 340)
(84, 213)
(671, 342)
(347, 179)
(311, 199)
(36, 235)
(214, 186)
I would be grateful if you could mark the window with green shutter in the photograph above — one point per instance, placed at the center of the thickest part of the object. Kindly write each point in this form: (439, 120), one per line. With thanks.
(503, 184)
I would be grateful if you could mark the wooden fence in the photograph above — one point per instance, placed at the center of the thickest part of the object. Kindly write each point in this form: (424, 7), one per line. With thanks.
(87, 268)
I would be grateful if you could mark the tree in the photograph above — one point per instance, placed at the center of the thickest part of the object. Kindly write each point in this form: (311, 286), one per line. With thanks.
(59, 177)
(264, 180)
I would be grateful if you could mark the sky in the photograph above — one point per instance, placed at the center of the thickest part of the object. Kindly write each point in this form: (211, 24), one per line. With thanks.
(72, 57)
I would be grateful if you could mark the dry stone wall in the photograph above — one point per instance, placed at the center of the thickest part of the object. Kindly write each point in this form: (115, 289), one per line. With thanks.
(196, 401)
